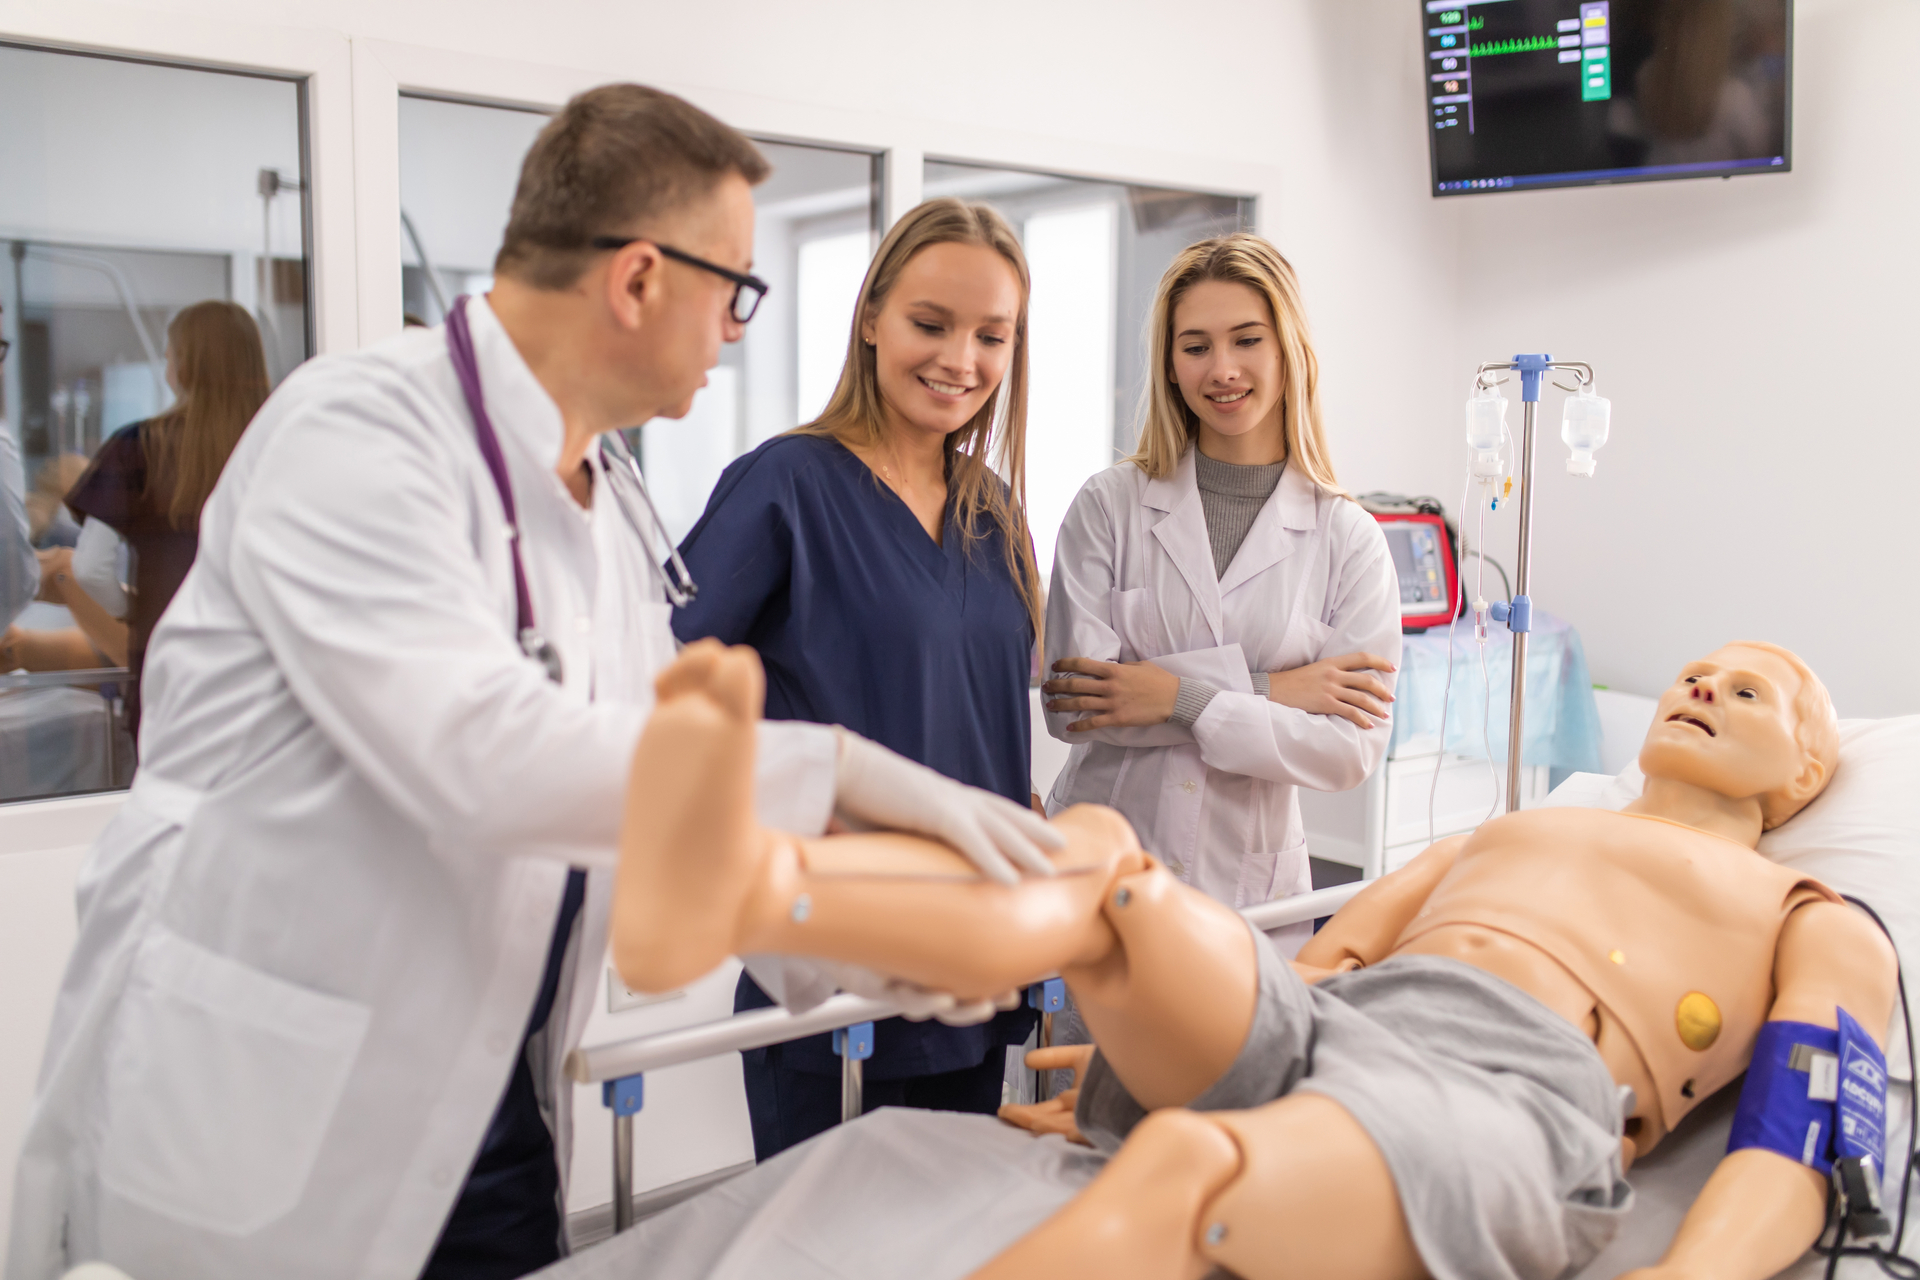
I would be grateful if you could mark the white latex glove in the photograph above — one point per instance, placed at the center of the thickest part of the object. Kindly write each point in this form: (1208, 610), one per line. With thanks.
(875, 786)
(917, 1003)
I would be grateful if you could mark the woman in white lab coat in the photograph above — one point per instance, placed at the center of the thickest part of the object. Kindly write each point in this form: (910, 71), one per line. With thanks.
(352, 916)
(1224, 622)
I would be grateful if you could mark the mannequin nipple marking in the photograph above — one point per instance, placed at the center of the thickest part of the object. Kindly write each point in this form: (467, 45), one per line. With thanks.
(1697, 1019)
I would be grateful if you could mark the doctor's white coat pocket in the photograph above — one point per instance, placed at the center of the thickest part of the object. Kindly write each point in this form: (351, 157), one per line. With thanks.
(224, 1081)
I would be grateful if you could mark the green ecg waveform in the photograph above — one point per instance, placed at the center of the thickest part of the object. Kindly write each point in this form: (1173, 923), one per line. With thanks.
(1524, 44)
(1476, 24)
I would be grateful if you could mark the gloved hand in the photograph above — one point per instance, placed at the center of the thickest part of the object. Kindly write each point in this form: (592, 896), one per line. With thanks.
(918, 1003)
(877, 787)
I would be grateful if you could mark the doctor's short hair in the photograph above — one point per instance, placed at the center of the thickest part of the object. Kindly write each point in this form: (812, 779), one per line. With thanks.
(1167, 425)
(615, 158)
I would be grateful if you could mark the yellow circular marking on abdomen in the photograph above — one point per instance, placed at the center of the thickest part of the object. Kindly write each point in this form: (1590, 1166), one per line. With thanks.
(1618, 957)
(1697, 1019)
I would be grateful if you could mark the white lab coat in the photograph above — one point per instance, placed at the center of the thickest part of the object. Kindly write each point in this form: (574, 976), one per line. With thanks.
(310, 941)
(1133, 580)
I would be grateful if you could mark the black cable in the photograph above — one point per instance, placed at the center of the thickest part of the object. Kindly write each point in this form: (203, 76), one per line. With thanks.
(1891, 1262)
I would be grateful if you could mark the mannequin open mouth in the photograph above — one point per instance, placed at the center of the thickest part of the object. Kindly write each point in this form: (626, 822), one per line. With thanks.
(1683, 718)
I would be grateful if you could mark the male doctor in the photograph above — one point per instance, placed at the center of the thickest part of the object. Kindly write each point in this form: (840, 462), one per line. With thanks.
(334, 948)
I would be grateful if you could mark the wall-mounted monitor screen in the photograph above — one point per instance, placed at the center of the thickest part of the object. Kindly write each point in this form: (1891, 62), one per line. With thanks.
(1560, 93)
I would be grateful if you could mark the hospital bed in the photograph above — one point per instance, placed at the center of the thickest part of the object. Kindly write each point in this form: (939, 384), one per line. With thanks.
(1862, 837)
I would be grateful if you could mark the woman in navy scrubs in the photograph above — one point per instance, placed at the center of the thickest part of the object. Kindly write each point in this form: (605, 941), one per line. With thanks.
(886, 576)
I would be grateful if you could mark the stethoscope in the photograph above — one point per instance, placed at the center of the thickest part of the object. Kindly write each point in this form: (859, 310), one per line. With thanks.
(615, 457)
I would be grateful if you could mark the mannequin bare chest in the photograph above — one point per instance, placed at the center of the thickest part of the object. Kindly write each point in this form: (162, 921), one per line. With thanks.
(1655, 939)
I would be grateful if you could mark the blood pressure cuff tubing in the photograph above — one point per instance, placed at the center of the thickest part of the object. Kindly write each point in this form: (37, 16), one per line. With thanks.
(1814, 1095)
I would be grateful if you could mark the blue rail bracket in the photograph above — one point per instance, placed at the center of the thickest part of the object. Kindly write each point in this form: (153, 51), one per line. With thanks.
(624, 1097)
(853, 1045)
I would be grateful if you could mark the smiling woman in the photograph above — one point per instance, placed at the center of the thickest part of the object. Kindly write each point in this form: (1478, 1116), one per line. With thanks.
(881, 564)
(1223, 625)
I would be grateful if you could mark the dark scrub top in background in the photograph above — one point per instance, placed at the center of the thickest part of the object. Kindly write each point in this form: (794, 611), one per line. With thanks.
(863, 620)
(113, 490)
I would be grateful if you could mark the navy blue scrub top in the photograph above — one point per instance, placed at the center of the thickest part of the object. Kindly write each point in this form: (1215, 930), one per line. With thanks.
(863, 620)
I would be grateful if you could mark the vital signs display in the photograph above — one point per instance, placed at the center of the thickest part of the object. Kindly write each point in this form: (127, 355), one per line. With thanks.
(1554, 93)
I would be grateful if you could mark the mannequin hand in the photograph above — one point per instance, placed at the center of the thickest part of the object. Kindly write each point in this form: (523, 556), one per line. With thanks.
(1121, 694)
(1335, 687)
(1055, 1115)
(875, 786)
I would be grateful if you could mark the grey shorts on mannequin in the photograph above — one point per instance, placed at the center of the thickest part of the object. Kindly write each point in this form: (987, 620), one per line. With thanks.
(1496, 1116)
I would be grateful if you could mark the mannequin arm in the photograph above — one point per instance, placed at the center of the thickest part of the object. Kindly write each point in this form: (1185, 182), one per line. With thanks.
(1365, 930)
(1760, 1211)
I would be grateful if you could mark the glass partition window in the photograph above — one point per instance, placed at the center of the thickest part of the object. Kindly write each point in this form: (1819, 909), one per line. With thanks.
(1096, 251)
(128, 192)
(459, 165)
(814, 232)
(813, 235)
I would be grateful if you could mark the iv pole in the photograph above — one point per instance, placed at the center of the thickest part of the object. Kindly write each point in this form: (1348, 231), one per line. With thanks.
(1519, 614)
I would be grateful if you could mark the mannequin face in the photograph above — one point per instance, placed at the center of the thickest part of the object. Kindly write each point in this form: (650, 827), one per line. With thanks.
(943, 338)
(1226, 362)
(1728, 724)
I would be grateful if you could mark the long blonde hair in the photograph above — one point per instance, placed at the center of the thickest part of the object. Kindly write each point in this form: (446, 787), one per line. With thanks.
(999, 431)
(222, 372)
(1168, 426)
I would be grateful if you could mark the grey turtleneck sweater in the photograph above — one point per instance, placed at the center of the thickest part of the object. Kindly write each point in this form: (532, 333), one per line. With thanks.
(1231, 496)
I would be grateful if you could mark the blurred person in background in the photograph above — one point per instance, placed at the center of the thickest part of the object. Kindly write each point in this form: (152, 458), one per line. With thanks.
(146, 485)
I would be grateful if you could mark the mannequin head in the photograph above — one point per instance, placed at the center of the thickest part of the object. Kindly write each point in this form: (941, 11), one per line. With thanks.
(1748, 721)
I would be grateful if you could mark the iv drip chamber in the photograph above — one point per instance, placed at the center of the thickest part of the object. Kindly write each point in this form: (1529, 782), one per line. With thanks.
(1486, 430)
(1583, 425)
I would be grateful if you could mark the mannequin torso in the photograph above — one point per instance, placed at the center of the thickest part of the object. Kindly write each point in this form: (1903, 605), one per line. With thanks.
(1668, 963)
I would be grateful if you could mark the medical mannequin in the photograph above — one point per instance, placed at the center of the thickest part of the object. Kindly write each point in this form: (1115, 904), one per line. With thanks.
(1654, 934)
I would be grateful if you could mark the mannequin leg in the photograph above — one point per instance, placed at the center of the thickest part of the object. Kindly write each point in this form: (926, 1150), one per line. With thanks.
(1288, 1191)
(1166, 975)
(700, 879)
(1171, 1006)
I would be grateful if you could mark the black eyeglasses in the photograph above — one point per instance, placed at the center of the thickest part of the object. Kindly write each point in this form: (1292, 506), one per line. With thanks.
(747, 290)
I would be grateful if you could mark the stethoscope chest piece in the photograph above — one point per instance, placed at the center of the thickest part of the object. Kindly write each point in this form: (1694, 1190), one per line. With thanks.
(541, 650)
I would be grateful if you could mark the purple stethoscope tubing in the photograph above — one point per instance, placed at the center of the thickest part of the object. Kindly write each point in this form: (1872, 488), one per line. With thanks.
(467, 369)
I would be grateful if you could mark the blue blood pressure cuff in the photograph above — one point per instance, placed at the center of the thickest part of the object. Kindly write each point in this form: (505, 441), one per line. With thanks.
(1814, 1095)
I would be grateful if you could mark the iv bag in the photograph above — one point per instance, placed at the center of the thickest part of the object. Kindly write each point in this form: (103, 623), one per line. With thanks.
(1486, 430)
(1583, 425)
